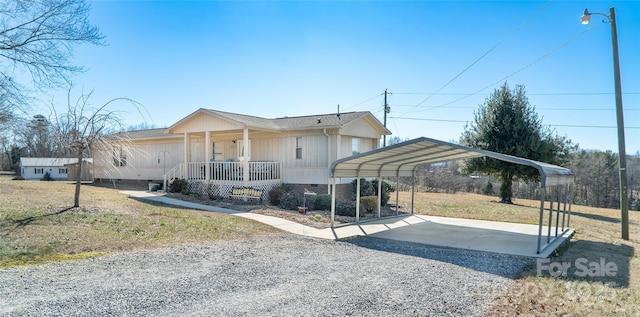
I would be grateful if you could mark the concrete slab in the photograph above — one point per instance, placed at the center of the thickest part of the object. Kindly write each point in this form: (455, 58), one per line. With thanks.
(481, 235)
(488, 236)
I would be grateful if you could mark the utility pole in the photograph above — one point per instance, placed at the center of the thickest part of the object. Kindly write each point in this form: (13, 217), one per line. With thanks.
(622, 153)
(386, 110)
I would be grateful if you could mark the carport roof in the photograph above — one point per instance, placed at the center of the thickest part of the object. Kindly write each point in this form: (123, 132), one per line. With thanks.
(403, 158)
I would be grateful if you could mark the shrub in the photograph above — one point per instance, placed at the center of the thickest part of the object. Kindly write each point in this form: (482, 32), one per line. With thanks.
(292, 200)
(369, 203)
(488, 189)
(366, 188)
(387, 187)
(635, 204)
(47, 177)
(178, 186)
(370, 188)
(322, 202)
(274, 196)
(346, 207)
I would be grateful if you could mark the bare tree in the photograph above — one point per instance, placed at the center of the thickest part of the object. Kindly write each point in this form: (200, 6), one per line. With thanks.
(38, 36)
(83, 129)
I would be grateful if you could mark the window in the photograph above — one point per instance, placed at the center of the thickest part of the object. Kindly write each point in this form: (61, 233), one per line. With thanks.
(298, 148)
(355, 146)
(62, 171)
(217, 151)
(240, 150)
(39, 171)
(119, 157)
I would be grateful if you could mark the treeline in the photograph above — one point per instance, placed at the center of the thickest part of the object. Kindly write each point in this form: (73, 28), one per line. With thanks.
(596, 180)
(36, 138)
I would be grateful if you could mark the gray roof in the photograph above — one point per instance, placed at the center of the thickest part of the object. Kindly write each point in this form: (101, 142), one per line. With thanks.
(49, 161)
(318, 121)
(403, 158)
(146, 134)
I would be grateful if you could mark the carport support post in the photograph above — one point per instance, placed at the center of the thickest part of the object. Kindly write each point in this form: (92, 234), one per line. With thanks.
(379, 194)
(413, 190)
(572, 189)
(564, 205)
(397, 193)
(333, 201)
(558, 194)
(550, 215)
(544, 190)
(358, 198)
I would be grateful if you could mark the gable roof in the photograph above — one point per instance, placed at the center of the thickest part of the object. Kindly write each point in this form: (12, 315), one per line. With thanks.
(319, 121)
(160, 133)
(47, 161)
(403, 158)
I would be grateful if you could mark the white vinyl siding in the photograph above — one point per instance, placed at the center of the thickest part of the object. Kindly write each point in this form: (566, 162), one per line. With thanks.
(142, 161)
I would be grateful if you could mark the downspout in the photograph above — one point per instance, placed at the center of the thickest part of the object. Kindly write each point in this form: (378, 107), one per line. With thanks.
(328, 159)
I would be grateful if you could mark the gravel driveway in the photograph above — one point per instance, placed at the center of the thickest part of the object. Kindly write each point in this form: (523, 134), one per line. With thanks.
(274, 275)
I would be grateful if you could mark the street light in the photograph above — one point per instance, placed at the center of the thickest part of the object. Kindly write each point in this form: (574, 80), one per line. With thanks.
(622, 156)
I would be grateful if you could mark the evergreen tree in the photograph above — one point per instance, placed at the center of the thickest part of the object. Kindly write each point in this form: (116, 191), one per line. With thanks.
(506, 123)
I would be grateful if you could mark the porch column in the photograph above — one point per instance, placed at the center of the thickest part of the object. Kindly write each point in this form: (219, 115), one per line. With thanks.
(245, 154)
(187, 148)
(207, 155)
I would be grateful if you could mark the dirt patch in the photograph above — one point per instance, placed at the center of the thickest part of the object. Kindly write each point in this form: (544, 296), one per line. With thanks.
(319, 219)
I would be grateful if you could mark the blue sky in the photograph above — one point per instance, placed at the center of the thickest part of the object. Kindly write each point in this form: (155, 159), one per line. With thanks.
(276, 59)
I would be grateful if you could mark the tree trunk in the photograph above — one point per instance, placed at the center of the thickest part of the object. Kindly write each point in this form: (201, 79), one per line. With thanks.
(506, 188)
(76, 199)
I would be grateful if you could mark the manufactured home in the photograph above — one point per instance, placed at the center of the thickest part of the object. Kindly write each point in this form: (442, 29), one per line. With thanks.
(37, 167)
(221, 150)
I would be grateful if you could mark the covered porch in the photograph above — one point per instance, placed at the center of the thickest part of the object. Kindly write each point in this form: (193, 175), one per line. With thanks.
(217, 155)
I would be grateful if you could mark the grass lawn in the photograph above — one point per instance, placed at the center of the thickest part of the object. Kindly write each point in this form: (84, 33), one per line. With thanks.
(597, 239)
(38, 226)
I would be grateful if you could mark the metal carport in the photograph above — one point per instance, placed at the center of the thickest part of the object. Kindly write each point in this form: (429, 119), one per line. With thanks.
(403, 159)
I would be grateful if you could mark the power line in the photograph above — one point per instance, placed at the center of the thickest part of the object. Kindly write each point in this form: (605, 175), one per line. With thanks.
(552, 125)
(485, 54)
(528, 93)
(367, 100)
(557, 48)
(589, 126)
(546, 109)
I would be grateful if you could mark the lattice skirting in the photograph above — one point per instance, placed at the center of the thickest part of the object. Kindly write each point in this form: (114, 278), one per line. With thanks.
(222, 189)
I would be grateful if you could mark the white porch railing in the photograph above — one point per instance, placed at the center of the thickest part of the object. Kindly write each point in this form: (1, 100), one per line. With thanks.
(225, 171)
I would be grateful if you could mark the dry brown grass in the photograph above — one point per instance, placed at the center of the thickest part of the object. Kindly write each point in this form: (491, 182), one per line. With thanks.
(36, 228)
(37, 224)
(598, 233)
